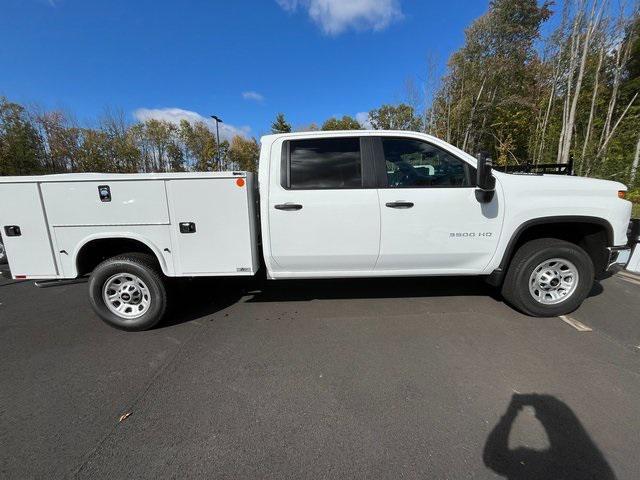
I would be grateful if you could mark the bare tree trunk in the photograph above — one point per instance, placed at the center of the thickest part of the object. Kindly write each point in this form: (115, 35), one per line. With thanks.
(634, 165)
(449, 101)
(473, 109)
(430, 86)
(458, 117)
(615, 126)
(567, 140)
(622, 56)
(612, 101)
(547, 114)
(592, 110)
(573, 53)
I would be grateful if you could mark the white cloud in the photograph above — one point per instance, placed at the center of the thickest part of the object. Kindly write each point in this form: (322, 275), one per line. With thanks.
(363, 119)
(175, 115)
(254, 96)
(336, 16)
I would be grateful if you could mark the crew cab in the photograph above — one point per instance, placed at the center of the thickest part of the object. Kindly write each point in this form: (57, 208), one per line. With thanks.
(323, 205)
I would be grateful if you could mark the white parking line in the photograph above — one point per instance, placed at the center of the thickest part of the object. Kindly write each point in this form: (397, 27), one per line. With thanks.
(629, 279)
(633, 276)
(581, 327)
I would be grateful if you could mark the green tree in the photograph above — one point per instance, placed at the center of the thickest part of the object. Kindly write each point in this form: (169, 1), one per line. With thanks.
(489, 97)
(280, 124)
(93, 154)
(344, 123)
(61, 141)
(630, 131)
(395, 117)
(200, 145)
(176, 157)
(244, 153)
(21, 147)
(223, 163)
(121, 147)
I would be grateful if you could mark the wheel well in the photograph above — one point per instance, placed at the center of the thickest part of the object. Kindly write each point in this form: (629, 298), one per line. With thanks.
(96, 251)
(593, 236)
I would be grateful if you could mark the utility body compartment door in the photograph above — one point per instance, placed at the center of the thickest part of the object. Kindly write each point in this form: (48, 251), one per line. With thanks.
(213, 226)
(31, 253)
(78, 203)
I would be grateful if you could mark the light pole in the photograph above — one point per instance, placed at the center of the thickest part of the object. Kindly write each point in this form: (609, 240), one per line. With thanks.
(218, 120)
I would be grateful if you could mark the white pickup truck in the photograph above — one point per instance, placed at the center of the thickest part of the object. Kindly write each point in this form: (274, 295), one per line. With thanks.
(324, 205)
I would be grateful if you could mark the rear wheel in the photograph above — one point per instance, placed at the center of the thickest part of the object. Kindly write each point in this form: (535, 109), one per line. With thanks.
(128, 292)
(548, 277)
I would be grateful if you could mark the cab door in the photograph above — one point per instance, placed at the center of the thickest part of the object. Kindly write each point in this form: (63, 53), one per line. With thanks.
(324, 218)
(431, 222)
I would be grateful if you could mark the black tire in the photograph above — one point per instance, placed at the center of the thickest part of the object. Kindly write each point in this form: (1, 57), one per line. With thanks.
(3, 253)
(146, 268)
(515, 289)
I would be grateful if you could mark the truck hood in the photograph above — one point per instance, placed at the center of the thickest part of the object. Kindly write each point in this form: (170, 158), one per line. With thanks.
(560, 182)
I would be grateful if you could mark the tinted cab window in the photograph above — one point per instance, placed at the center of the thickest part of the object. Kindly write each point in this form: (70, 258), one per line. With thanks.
(325, 163)
(414, 163)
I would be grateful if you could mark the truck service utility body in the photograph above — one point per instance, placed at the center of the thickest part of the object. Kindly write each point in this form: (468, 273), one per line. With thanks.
(197, 224)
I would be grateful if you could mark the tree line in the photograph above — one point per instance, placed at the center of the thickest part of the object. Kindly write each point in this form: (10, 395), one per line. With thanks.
(573, 94)
(525, 98)
(34, 142)
(509, 91)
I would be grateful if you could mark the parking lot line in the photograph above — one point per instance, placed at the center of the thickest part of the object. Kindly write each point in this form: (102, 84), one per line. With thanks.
(630, 279)
(581, 327)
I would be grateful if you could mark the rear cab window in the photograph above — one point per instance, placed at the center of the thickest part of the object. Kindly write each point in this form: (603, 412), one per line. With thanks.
(324, 163)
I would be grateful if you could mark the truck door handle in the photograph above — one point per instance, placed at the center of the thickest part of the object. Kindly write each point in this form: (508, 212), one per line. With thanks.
(288, 206)
(399, 204)
(187, 227)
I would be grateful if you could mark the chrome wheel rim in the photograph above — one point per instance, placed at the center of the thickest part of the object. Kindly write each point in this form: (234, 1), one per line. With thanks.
(553, 281)
(126, 296)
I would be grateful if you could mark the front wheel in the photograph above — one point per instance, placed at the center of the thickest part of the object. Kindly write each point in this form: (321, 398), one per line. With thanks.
(548, 277)
(128, 292)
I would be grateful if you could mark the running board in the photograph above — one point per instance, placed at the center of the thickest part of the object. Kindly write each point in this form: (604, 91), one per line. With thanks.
(59, 283)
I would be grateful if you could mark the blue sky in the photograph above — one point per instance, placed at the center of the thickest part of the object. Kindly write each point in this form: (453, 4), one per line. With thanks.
(242, 60)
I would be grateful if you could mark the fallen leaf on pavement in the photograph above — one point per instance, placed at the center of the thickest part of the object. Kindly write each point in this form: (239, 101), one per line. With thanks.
(124, 416)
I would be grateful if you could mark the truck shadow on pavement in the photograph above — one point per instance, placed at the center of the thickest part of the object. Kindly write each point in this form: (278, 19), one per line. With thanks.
(191, 299)
(571, 454)
(196, 298)
(363, 288)
(393, 287)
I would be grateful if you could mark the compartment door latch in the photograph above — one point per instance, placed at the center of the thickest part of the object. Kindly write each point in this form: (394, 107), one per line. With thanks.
(12, 231)
(187, 227)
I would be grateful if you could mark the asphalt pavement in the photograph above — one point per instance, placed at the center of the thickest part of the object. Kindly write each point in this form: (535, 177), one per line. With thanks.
(428, 378)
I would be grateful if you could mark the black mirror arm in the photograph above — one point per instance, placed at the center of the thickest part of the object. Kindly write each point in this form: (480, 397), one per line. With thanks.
(484, 196)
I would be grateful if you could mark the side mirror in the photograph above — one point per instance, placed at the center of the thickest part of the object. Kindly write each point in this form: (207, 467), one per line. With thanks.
(485, 182)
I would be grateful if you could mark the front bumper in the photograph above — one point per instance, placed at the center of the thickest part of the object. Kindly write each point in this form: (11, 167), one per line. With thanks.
(628, 256)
